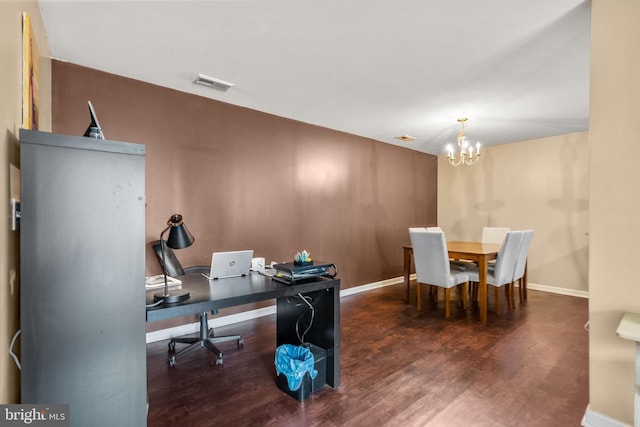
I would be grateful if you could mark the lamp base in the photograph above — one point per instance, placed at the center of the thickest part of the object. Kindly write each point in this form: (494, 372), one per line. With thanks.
(172, 296)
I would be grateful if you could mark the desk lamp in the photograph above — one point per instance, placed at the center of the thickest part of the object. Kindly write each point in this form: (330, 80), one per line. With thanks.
(179, 237)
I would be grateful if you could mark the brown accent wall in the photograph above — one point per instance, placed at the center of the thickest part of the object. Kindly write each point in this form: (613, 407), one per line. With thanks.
(243, 179)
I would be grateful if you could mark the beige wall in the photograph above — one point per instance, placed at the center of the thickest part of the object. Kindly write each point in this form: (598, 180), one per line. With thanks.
(10, 122)
(541, 185)
(614, 202)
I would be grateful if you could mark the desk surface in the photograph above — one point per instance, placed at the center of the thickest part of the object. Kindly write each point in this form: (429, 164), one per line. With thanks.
(209, 295)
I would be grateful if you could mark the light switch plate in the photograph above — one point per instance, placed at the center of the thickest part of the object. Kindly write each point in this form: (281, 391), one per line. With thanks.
(15, 215)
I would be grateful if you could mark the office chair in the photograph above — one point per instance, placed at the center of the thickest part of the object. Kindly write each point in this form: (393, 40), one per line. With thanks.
(205, 337)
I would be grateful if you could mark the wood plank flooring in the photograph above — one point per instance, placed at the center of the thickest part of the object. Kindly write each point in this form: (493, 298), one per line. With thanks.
(526, 367)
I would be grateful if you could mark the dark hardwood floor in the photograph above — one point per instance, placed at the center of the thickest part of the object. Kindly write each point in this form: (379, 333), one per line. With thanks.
(399, 367)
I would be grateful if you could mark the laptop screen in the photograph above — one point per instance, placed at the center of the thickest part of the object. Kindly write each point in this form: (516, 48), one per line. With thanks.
(230, 264)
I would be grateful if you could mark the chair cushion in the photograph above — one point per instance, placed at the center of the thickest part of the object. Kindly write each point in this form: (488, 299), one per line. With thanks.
(461, 265)
(501, 272)
(457, 277)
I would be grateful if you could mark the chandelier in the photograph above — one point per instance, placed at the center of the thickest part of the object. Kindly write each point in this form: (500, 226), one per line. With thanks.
(466, 154)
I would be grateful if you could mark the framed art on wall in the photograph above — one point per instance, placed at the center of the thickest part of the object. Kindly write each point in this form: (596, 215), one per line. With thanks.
(30, 58)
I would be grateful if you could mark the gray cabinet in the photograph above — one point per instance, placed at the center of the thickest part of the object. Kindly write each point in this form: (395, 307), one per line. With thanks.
(82, 292)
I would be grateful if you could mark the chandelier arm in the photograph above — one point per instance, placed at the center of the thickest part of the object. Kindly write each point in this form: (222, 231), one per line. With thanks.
(465, 153)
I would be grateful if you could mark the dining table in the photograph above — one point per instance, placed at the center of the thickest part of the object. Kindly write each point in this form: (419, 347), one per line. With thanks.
(478, 252)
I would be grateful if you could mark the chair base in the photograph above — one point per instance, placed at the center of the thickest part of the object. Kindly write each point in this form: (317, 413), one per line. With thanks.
(205, 339)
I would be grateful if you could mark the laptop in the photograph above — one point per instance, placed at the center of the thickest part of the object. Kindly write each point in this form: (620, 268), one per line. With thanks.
(230, 264)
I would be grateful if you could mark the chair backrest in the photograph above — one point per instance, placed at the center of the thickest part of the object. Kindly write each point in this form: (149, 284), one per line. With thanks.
(173, 266)
(431, 257)
(494, 234)
(523, 252)
(424, 228)
(416, 229)
(507, 257)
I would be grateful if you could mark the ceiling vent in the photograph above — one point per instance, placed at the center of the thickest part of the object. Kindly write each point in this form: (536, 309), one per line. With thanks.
(405, 138)
(201, 79)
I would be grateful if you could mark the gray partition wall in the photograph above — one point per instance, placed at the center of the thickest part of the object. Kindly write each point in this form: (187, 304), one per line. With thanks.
(82, 272)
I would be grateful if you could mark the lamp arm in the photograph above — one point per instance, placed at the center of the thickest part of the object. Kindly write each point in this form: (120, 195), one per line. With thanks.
(164, 264)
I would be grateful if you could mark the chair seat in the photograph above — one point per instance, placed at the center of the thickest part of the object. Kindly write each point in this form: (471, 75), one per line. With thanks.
(474, 275)
(462, 265)
(456, 278)
(466, 265)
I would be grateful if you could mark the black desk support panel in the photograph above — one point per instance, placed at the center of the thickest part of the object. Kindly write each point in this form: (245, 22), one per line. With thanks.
(323, 293)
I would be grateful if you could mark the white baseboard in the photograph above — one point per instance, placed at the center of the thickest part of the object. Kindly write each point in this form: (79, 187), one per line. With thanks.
(214, 322)
(561, 291)
(219, 321)
(595, 419)
(370, 286)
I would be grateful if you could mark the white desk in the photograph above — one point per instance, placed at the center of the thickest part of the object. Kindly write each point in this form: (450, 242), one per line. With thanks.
(629, 329)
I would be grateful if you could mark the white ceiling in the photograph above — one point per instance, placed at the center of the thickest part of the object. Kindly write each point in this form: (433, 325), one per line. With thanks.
(376, 68)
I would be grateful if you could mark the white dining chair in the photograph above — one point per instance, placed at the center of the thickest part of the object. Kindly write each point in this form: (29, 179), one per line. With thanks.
(502, 273)
(494, 234)
(456, 264)
(424, 228)
(521, 264)
(432, 266)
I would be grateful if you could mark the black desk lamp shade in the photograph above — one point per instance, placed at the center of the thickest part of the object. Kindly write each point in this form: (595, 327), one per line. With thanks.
(179, 237)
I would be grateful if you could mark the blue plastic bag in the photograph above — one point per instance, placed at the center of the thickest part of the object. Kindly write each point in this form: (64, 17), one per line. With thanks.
(294, 361)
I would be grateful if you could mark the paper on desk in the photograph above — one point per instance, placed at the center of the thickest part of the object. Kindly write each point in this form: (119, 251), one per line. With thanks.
(155, 282)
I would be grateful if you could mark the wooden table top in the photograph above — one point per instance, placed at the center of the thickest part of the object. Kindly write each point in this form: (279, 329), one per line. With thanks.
(477, 248)
(473, 247)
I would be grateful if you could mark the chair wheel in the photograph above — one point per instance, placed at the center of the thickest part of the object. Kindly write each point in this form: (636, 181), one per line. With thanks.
(172, 361)
(172, 346)
(219, 360)
(240, 342)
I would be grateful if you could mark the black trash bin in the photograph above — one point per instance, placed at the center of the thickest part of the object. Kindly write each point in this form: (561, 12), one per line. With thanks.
(309, 383)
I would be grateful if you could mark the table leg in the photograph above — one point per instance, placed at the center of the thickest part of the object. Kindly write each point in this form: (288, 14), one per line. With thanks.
(482, 288)
(408, 252)
(524, 282)
(636, 399)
